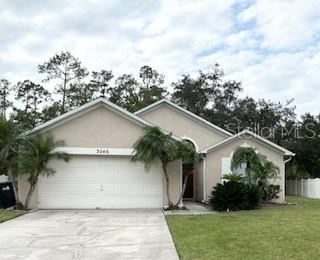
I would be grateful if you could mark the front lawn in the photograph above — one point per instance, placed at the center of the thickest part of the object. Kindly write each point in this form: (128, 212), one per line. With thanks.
(9, 214)
(277, 232)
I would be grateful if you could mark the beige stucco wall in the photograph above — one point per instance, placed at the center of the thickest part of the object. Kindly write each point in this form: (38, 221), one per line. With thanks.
(183, 126)
(213, 163)
(101, 127)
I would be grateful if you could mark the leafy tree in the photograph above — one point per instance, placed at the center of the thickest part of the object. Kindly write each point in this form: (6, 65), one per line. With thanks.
(4, 96)
(190, 157)
(224, 99)
(150, 77)
(124, 93)
(151, 87)
(80, 94)
(133, 95)
(10, 142)
(66, 70)
(244, 115)
(50, 111)
(156, 147)
(249, 157)
(307, 146)
(193, 94)
(101, 82)
(265, 117)
(35, 159)
(31, 96)
(207, 95)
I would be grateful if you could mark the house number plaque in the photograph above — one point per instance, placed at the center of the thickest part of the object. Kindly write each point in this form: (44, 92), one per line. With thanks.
(102, 151)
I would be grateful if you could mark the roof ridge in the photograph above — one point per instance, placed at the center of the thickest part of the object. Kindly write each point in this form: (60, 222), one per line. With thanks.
(193, 115)
(255, 135)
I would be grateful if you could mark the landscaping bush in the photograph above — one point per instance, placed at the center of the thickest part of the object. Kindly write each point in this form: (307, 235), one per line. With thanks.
(231, 195)
(235, 195)
(254, 196)
(269, 191)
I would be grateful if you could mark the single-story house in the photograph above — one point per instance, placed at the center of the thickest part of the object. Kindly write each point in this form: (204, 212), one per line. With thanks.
(100, 137)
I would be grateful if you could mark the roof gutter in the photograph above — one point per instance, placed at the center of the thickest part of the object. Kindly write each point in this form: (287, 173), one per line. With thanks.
(290, 158)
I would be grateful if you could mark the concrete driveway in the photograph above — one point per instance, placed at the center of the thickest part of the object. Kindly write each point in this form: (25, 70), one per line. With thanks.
(86, 234)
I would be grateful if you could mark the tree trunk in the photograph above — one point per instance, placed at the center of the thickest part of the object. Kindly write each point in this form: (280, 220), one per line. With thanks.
(185, 181)
(64, 92)
(15, 189)
(170, 204)
(30, 192)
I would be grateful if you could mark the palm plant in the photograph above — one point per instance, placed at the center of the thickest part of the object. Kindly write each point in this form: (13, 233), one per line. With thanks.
(268, 170)
(156, 147)
(189, 157)
(249, 157)
(11, 141)
(35, 158)
(258, 167)
(233, 177)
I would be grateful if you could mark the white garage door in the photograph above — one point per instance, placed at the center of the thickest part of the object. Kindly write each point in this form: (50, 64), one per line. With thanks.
(89, 182)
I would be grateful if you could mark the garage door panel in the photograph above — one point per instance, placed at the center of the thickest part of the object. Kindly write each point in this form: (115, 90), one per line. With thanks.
(101, 182)
(55, 188)
(104, 200)
(58, 187)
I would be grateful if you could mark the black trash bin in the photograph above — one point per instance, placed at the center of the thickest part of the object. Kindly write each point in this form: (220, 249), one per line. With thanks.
(7, 198)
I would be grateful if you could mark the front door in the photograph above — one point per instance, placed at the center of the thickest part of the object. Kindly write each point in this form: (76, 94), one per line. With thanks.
(188, 193)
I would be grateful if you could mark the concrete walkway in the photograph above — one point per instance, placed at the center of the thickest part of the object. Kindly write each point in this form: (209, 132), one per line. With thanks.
(192, 208)
(97, 234)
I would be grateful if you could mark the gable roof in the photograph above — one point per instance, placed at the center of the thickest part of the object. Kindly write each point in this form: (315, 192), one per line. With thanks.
(254, 135)
(88, 107)
(184, 111)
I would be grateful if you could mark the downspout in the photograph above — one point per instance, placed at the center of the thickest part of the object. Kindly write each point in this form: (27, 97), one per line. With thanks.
(204, 179)
(181, 181)
(289, 159)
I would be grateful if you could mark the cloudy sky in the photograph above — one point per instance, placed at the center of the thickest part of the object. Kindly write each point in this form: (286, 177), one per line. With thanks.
(271, 46)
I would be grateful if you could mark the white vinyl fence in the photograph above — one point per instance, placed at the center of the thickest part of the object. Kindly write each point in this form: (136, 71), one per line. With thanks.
(3, 178)
(306, 187)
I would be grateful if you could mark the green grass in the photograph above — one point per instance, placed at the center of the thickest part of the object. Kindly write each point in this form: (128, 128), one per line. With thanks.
(9, 214)
(275, 232)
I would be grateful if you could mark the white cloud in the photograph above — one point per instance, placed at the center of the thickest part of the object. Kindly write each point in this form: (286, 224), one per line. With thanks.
(241, 40)
(284, 76)
(271, 46)
(284, 23)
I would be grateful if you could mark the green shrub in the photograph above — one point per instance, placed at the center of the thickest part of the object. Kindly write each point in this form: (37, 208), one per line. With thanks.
(235, 195)
(231, 195)
(254, 196)
(269, 191)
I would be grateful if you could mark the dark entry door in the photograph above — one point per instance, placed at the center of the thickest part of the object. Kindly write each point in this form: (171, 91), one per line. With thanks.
(188, 194)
